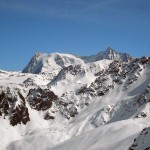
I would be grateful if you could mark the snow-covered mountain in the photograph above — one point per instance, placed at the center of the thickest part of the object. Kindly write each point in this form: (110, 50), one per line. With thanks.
(42, 63)
(65, 102)
(109, 54)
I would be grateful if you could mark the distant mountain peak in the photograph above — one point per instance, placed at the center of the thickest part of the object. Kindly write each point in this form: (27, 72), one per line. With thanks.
(42, 62)
(37, 54)
(109, 49)
(109, 54)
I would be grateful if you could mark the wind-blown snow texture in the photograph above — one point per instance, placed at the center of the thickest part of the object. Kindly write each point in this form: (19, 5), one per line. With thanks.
(65, 102)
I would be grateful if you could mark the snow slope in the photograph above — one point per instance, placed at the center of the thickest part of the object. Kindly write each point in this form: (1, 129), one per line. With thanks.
(142, 141)
(103, 104)
(115, 136)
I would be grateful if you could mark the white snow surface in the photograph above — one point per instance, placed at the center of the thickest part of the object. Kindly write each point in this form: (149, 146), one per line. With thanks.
(110, 120)
(43, 63)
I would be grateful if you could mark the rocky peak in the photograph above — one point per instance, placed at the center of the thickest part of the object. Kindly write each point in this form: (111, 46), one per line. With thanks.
(109, 50)
(109, 54)
(37, 54)
(34, 65)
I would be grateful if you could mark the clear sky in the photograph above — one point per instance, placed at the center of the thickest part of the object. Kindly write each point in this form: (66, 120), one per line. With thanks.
(82, 27)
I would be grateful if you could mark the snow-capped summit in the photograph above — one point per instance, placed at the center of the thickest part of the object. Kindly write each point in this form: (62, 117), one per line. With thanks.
(109, 54)
(42, 62)
(35, 63)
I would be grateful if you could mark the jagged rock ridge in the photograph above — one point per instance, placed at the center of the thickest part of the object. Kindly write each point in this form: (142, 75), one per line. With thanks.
(109, 54)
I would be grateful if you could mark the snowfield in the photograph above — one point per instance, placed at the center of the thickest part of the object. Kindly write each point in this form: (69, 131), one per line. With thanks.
(67, 102)
(115, 136)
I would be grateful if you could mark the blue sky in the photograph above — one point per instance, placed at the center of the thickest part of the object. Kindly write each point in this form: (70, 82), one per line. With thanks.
(82, 27)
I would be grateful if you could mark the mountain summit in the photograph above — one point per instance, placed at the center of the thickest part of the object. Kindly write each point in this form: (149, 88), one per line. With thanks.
(109, 54)
(42, 62)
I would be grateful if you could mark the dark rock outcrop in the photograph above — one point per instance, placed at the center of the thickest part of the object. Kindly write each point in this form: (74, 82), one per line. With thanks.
(41, 99)
(17, 113)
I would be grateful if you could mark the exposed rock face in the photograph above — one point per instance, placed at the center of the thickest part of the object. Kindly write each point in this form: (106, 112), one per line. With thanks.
(142, 141)
(48, 117)
(86, 89)
(41, 99)
(118, 73)
(68, 111)
(109, 54)
(4, 104)
(17, 113)
(72, 70)
(28, 82)
(14, 105)
(35, 64)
